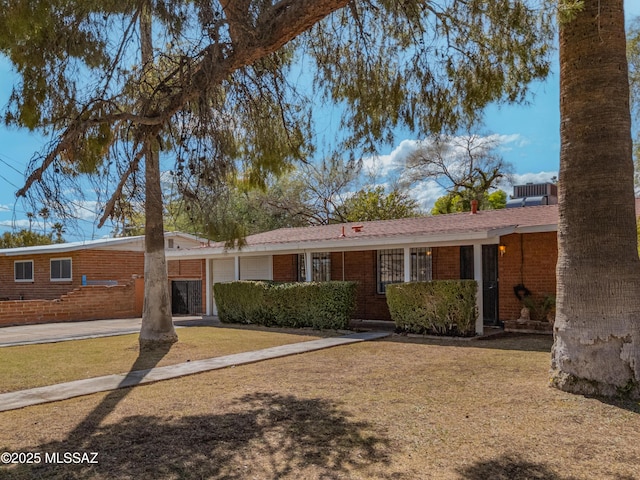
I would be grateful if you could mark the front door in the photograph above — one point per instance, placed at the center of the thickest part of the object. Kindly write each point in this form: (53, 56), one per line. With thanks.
(489, 278)
(490, 284)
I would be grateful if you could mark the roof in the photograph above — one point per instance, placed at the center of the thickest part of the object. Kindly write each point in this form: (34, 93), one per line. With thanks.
(485, 226)
(121, 243)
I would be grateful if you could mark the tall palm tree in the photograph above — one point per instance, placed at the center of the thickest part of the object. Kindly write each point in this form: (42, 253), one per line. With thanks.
(59, 229)
(597, 330)
(30, 217)
(44, 213)
(157, 328)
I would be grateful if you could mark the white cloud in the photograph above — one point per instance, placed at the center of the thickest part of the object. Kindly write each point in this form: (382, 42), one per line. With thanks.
(15, 224)
(426, 193)
(383, 166)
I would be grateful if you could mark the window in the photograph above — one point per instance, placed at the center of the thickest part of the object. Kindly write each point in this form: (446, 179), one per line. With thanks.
(61, 269)
(420, 264)
(170, 243)
(23, 271)
(466, 262)
(320, 267)
(390, 268)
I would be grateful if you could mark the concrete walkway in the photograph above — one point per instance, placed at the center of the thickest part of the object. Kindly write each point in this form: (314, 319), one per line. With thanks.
(62, 391)
(60, 332)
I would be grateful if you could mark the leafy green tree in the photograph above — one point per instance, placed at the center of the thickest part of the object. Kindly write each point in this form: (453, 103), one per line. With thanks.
(497, 200)
(209, 88)
(372, 203)
(596, 346)
(454, 202)
(27, 238)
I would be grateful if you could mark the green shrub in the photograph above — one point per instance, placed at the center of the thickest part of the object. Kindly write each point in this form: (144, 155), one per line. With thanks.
(441, 307)
(321, 305)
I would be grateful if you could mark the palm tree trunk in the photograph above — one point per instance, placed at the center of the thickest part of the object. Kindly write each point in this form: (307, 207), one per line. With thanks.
(597, 330)
(157, 324)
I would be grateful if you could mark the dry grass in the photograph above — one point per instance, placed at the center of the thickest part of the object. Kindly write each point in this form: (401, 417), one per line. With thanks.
(395, 409)
(31, 366)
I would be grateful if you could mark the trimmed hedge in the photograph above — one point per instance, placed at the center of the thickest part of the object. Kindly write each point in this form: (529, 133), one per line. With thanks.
(321, 305)
(440, 307)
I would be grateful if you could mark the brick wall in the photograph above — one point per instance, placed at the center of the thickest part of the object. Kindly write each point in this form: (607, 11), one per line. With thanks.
(359, 267)
(285, 268)
(445, 263)
(44, 300)
(95, 264)
(82, 303)
(530, 259)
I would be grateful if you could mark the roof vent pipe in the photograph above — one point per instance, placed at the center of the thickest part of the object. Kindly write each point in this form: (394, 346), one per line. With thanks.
(474, 207)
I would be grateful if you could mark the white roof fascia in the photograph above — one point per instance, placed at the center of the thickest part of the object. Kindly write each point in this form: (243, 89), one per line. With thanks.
(537, 228)
(342, 245)
(88, 244)
(67, 247)
(188, 236)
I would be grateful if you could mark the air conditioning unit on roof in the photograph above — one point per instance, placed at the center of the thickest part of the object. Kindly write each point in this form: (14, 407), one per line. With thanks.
(533, 194)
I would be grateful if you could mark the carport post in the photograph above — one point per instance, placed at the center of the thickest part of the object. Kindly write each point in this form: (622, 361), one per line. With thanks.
(477, 275)
(236, 268)
(307, 267)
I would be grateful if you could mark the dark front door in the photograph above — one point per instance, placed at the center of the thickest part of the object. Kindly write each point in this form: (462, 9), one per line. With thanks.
(186, 297)
(489, 278)
(490, 284)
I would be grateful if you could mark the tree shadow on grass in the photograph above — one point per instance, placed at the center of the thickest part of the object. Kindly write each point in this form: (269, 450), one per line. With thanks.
(509, 467)
(262, 435)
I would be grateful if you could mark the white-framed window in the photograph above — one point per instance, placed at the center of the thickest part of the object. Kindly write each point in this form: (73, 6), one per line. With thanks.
(390, 267)
(23, 271)
(320, 267)
(60, 269)
(421, 264)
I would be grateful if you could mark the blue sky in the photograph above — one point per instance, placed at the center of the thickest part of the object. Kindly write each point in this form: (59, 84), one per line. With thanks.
(530, 141)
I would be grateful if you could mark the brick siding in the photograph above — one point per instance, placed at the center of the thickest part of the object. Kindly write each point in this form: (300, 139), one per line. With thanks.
(44, 300)
(83, 303)
(285, 268)
(530, 260)
(95, 264)
(445, 263)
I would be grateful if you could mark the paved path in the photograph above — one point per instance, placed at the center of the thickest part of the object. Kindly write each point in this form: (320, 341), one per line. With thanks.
(62, 391)
(60, 332)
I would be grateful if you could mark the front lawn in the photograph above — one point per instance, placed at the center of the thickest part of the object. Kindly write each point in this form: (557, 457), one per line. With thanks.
(29, 366)
(393, 409)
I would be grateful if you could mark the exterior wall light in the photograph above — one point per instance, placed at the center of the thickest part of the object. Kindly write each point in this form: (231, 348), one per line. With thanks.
(502, 249)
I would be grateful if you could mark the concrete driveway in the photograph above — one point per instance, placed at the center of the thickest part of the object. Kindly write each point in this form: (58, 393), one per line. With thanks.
(59, 332)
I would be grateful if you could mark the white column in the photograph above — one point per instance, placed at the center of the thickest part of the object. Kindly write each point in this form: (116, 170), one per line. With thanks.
(236, 268)
(208, 281)
(407, 264)
(307, 267)
(477, 276)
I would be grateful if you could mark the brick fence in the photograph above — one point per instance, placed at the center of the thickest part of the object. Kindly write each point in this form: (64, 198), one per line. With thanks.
(94, 302)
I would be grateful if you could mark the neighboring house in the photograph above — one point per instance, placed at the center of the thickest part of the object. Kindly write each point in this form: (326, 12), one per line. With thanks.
(91, 280)
(500, 249)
